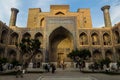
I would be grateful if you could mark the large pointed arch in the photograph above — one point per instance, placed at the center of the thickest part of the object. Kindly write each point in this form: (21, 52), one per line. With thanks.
(60, 42)
(60, 30)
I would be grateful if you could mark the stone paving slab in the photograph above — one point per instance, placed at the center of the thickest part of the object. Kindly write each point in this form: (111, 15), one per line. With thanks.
(66, 78)
(62, 75)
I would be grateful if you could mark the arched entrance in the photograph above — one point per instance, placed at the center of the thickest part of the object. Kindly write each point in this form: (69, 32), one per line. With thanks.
(14, 38)
(60, 44)
(109, 54)
(12, 55)
(97, 55)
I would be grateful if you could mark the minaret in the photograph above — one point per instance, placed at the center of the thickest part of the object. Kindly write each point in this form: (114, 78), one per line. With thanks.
(13, 17)
(106, 13)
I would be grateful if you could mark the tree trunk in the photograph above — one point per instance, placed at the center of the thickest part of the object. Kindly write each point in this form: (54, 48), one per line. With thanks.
(29, 59)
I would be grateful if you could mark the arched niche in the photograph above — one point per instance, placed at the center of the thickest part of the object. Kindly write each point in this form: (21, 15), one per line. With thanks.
(95, 39)
(4, 35)
(26, 35)
(12, 55)
(83, 38)
(117, 37)
(106, 39)
(42, 22)
(97, 55)
(14, 38)
(109, 54)
(39, 36)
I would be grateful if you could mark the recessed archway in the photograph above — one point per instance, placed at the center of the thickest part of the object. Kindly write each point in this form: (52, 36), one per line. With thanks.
(109, 54)
(97, 55)
(83, 38)
(60, 44)
(4, 36)
(14, 38)
(39, 36)
(12, 55)
(106, 39)
(42, 22)
(26, 35)
(117, 40)
(118, 53)
(95, 39)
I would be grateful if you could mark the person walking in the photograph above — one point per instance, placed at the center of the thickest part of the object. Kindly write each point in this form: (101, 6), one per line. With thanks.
(48, 67)
(1, 67)
(19, 71)
(53, 68)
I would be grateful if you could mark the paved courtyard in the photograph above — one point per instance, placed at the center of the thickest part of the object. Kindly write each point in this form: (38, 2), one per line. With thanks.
(63, 75)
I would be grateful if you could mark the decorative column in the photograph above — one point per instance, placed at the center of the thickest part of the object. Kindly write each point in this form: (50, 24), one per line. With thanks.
(13, 17)
(107, 19)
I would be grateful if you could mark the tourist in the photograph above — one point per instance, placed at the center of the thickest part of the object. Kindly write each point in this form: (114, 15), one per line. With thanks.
(53, 68)
(19, 71)
(1, 67)
(23, 71)
(48, 67)
(63, 66)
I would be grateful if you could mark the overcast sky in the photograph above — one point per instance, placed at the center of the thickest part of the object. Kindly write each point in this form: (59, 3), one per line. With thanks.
(94, 5)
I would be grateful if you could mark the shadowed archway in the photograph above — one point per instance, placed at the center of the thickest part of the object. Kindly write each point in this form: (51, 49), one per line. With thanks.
(95, 39)
(4, 35)
(109, 54)
(97, 55)
(14, 38)
(60, 44)
(12, 55)
(83, 39)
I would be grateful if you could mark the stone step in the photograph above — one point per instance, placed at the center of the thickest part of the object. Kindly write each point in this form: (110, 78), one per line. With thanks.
(58, 69)
(66, 78)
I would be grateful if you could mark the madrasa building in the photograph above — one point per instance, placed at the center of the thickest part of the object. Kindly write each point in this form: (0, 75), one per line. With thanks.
(61, 31)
